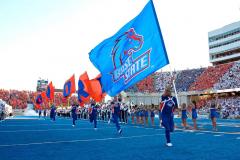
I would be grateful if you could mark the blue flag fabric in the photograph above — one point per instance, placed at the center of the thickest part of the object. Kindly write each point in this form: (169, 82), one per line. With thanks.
(133, 53)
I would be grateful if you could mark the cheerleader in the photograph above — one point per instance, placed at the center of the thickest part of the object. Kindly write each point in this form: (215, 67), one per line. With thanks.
(138, 114)
(145, 111)
(184, 115)
(194, 114)
(213, 115)
(152, 115)
(132, 114)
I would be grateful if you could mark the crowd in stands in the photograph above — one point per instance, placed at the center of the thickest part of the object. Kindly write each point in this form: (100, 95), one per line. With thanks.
(209, 77)
(231, 79)
(186, 77)
(16, 99)
(228, 106)
(224, 76)
(146, 85)
(162, 79)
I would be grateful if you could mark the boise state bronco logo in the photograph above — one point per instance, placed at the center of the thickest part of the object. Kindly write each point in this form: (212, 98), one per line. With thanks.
(122, 56)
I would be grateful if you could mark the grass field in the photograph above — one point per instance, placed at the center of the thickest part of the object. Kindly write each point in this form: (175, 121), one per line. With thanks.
(39, 139)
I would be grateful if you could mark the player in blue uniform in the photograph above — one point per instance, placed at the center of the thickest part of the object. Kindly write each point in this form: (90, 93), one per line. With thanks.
(184, 115)
(194, 114)
(169, 104)
(93, 114)
(53, 113)
(213, 115)
(74, 114)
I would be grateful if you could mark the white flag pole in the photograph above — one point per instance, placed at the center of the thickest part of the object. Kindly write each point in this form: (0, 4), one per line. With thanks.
(173, 82)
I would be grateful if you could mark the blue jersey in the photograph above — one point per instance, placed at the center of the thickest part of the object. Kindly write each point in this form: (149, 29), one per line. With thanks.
(184, 114)
(169, 104)
(74, 112)
(152, 114)
(146, 113)
(116, 109)
(53, 109)
(94, 111)
(194, 113)
(213, 113)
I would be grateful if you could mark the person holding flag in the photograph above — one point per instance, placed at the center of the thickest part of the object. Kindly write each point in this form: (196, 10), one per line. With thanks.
(93, 114)
(169, 104)
(74, 114)
(53, 112)
(115, 106)
(39, 113)
(45, 113)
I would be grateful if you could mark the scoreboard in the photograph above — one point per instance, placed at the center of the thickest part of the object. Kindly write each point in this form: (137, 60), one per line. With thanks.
(42, 85)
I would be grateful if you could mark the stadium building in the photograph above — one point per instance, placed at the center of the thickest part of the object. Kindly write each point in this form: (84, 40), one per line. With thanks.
(224, 44)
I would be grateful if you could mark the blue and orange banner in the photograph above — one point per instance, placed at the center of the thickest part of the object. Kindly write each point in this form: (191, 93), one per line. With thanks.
(84, 89)
(50, 91)
(69, 87)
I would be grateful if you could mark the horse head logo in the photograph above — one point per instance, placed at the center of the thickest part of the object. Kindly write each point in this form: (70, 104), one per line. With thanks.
(125, 46)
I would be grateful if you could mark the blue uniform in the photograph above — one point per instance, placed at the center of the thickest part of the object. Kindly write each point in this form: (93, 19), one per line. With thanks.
(44, 113)
(93, 116)
(194, 113)
(39, 113)
(115, 115)
(152, 114)
(169, 104)
(184, 114)
(141, 113)
(146, 113)
(213, 113)
(74, 114)
(53, 113)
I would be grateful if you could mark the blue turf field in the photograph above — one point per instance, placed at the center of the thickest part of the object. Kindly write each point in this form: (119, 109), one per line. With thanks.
(33, 139)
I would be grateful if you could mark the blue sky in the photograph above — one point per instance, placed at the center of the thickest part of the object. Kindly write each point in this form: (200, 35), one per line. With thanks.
(51, 39)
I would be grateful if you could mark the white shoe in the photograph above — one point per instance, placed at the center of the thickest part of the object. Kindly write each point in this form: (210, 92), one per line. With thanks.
(73, 125)
(169, 144)
(109, 121)
(95, 129)
(120, 131)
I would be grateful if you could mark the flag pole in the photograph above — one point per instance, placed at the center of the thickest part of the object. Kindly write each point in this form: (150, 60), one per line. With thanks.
(68, 101)
(160, 33)
(173, 82)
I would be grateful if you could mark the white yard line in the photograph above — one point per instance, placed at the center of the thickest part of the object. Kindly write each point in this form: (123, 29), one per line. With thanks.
(80, 140)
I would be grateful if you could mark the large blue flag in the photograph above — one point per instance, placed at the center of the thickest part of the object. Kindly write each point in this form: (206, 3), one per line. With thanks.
(133, 53)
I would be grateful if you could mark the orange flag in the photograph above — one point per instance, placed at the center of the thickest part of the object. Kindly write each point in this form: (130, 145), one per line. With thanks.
(84, 89)
(96, 92)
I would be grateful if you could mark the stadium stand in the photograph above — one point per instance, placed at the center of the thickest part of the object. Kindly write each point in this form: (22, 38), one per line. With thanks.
(186, 77)
(211, 75)
(231, 79)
